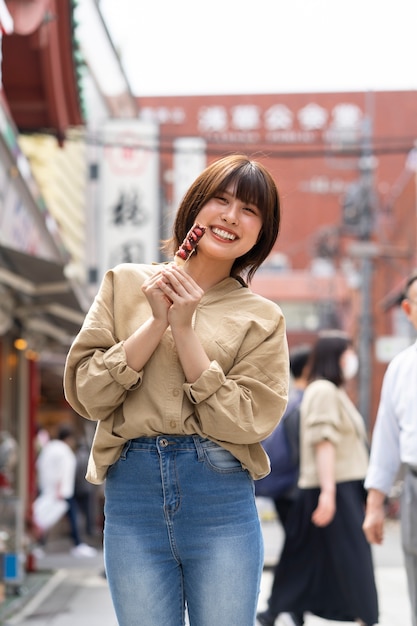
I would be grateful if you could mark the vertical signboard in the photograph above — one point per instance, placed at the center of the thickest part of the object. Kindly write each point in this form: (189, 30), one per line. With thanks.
(189, 161)
(129, 212)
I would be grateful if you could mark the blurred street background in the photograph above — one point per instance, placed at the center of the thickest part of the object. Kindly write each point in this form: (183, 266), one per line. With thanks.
(92, 170)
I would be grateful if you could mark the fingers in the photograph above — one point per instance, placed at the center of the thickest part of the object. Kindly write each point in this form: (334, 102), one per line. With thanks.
(175, 279)
(321, 518)
(173, 292)
(373, 537)
(373, 532)
(373, 524)
(156, 297)
(325, 510)
(151, 282)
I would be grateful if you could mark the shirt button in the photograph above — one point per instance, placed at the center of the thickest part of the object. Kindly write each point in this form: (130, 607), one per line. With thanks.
(173, 423)
(176, 393)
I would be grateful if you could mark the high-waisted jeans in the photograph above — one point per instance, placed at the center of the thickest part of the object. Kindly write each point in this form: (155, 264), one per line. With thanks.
(181, 531)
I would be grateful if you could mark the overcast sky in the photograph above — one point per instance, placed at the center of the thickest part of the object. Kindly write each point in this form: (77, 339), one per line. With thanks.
(189, 47)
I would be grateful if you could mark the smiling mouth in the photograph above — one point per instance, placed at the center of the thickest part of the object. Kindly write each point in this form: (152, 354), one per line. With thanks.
(223, 234)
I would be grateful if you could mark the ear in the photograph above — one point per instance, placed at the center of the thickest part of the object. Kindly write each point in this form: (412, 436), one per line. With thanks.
(405, 305)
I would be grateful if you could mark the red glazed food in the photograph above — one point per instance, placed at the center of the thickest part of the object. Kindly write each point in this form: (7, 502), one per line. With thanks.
(189, 244)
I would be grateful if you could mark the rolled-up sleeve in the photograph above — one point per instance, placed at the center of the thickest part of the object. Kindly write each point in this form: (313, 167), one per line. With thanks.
(321, 414)
(244, 404)
(96, 376)
(206, 385)
(103, 380)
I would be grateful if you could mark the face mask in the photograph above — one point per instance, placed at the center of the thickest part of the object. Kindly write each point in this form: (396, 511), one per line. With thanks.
(350, 365)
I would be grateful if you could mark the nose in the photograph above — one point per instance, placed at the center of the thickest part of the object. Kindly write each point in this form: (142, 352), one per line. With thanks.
(230, 215)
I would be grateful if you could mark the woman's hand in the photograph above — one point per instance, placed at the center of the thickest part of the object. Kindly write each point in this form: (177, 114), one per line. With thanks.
(325, 453)
(183, 294)
(143, 342)
(157, 299)
(325, 510)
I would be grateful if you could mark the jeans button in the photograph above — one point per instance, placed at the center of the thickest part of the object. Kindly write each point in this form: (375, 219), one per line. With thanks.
(163, 443)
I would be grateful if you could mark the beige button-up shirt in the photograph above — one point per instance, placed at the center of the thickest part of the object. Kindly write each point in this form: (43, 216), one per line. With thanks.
(236, 402)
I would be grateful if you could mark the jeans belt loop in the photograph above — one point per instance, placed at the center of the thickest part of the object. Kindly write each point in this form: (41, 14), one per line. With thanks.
(198, 447)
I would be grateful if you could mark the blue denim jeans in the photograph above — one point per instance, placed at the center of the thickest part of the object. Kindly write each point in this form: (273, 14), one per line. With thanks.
(181, 531)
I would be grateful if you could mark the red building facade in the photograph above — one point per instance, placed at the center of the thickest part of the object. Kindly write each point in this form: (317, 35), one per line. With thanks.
(345, 166)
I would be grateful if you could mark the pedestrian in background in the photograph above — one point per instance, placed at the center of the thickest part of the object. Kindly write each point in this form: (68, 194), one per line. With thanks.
(283, 445)
(326, 563)
(394, 442)
(56, 467)
(84, 492)
(283, 449)
(186, 371)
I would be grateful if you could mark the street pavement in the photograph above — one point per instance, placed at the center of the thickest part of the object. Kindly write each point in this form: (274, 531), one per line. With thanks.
(76, 592)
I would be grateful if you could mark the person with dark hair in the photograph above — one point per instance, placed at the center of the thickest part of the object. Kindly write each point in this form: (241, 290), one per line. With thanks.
(299, 357)
(394, 442)
(185, 370)
(326, 563)
(283, 445)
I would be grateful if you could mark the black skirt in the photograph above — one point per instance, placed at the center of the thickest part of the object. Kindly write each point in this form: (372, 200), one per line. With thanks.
(327, 571)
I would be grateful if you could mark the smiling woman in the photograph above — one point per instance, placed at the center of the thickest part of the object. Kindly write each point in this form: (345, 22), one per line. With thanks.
(185, 370)
(230, 184)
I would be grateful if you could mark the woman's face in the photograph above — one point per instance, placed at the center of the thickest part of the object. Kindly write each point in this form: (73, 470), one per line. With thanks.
(233, 226)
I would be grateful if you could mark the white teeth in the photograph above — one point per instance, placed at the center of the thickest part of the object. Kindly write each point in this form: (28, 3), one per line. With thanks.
(223, 234)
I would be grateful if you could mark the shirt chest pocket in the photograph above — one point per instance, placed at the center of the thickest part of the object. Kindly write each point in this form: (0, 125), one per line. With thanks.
(234, 337)
(225, 344)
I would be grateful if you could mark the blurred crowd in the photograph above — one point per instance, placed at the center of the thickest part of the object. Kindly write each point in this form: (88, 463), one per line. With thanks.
(345, 487)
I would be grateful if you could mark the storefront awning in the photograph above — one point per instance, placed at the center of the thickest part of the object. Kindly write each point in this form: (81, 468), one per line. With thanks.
(44, 300)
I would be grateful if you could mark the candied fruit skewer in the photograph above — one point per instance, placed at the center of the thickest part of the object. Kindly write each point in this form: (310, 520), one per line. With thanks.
(189, 244)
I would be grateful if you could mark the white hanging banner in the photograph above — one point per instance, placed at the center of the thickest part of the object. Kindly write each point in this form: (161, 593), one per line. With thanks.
(189, 161)
(129, 210)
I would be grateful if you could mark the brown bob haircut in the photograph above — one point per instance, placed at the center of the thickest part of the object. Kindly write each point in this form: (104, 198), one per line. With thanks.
(251, 183)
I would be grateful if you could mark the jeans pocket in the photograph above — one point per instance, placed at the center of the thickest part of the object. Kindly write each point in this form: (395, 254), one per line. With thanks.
(221, 460)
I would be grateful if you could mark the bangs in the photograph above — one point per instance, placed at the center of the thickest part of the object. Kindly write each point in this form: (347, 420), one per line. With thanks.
(252, 184)
(249, 186)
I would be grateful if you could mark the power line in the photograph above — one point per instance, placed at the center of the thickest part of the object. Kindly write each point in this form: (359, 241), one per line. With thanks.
(163, 144)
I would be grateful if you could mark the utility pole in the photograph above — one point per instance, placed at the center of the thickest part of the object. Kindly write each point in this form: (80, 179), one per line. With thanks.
(358, 214)
(366, 167)
(367, 164)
